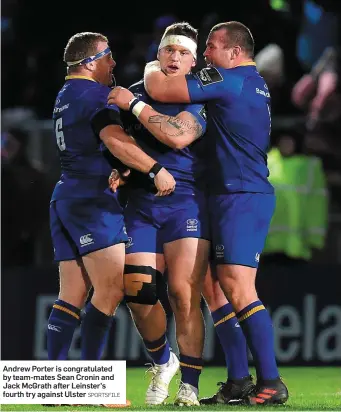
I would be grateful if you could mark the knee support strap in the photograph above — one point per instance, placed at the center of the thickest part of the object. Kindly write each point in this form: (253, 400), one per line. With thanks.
(140, 284)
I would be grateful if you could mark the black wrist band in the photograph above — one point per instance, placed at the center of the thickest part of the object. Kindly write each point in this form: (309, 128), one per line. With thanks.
(154, 170)
(132, 104)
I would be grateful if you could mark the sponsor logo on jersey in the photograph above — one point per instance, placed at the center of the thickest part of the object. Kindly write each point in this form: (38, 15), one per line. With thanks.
(219, 251)
(86, 240)
(209, 75)
(60, 109)
(192, 225)
(54, 328)
(130, 242)
(262, 92)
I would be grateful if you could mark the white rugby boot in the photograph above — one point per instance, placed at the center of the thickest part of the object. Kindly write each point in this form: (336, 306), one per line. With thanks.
(187, 395)
(157, 391)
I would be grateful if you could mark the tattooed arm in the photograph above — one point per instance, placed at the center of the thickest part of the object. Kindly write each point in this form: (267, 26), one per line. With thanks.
(176, 132)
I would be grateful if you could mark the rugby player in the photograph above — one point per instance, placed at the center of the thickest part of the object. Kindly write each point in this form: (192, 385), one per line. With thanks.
(241, 200)
(170, 232)
(86, 219)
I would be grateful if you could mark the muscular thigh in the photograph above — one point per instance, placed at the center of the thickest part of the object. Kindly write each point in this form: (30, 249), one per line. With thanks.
(105, 267)
(187, 261)
(239, 226)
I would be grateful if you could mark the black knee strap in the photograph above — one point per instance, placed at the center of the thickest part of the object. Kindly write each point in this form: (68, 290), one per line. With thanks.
(140, 284)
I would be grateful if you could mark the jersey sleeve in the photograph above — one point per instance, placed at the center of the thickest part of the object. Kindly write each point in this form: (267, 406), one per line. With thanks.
(200, 113)
(212, 83)
(104, 114)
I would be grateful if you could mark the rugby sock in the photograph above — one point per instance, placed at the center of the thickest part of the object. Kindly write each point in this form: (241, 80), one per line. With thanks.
(232, 340)
(94, 332)
(190, 369)
(158, 350)
(63, 320)
(257, 327)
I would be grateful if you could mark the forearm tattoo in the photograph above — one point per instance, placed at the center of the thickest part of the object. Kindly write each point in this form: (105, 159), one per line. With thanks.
(174, 127)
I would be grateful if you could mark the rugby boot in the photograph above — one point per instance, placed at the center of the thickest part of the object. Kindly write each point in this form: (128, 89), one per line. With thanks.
(231, 391)
(269, 392)
(157, 391)
(187, 395)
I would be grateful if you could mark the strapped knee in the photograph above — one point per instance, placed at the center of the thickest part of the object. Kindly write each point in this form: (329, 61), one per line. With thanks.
(140, 284)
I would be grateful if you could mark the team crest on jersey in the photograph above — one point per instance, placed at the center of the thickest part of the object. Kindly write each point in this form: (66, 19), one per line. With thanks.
(209, 75)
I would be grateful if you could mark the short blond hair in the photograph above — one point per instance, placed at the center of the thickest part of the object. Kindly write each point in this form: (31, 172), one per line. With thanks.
(82, 45)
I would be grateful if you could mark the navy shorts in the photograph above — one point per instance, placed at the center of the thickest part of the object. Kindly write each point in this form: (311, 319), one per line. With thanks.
(80, 226)
(239, 226)
(153, 222)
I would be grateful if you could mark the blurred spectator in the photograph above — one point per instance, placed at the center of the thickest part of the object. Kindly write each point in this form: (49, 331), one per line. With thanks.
(299, 224)
(25, 200)
(317, 91)
(318, 30)
(317, 51)
(305, 31)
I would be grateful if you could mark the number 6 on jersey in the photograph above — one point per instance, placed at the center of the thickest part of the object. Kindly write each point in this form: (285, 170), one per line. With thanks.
(60, 134)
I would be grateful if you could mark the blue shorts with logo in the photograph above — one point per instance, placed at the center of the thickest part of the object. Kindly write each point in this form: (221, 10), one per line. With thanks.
(83, 225)
(239, 226)
(152, 222)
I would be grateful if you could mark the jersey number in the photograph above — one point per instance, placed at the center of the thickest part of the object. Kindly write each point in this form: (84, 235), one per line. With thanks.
(60, 134)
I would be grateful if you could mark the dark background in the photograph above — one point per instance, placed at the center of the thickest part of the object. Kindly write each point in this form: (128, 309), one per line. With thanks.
(34, 34)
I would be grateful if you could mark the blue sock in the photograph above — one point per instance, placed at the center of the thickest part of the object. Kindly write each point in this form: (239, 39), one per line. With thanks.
(232, 340)
(257, 327)
(190, 369)
(94, 332)
(158, 350)
(63, 320)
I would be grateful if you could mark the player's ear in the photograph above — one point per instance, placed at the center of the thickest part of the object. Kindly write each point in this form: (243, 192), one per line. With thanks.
(236, 51)
(90, 66)
(194, 62)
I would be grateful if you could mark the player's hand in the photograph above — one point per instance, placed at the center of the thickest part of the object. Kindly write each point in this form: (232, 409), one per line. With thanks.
(121, 97)
(153, 66)
(164, 183)
(116, 179)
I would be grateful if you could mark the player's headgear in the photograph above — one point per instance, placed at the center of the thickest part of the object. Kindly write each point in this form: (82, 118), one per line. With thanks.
(180, 40)
(90, 58)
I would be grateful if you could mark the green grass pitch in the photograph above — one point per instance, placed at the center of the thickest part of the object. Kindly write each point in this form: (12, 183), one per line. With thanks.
(311, 389)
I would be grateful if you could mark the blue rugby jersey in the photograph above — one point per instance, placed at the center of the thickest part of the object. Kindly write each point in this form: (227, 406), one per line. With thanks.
(188, 165)
(238, 124)
(84, 168)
